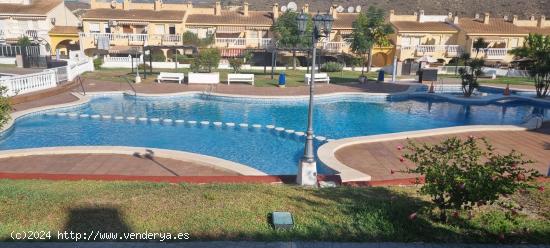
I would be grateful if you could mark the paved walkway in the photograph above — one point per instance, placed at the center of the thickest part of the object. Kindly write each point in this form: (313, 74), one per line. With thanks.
(379, 158)
(100, 164)
(229, 244)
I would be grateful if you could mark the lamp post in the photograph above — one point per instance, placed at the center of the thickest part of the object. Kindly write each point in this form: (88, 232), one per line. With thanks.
(322, 26)
(138, 78)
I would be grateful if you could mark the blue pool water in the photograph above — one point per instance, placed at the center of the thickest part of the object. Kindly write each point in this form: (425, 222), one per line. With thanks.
(265, 149)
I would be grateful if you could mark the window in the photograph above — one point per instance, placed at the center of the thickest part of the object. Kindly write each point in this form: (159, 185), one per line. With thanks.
(514, 42)
(106, 28)
(159, 28)
(94, 28)
(172, 29)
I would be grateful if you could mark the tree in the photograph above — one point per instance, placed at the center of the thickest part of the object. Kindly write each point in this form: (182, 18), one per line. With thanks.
(5, 107)
(470, 75)
(236, 64)
(479, 45)
(369, 31)
(536, 49)
(288, 35)
(207, 59)
(24, 42)
(463, 174)
(192, 39)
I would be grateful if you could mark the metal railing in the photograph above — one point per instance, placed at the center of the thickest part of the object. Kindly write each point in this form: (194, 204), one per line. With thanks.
(9, 51)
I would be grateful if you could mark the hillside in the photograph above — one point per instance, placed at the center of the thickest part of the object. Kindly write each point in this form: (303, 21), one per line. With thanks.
(523, 8)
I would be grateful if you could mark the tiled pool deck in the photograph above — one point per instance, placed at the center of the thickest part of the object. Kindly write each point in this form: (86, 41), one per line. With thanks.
(376, 159)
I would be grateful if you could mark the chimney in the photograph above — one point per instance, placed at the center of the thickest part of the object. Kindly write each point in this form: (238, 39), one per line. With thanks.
(333, 11)
(506, 18)
(420, 17)
(486, 18)
(542, 20)
(189, 5)
(126, 5)
(515, 19)
(218, 8)
(450, 16)
(305, 9)
(158, 5)
(532, 18)
(275, 11)
(392, 14)
(455, 20)
(245, 9)
(477, 16)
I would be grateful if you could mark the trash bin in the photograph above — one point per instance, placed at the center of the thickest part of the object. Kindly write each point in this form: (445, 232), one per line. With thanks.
(282, 80)
(381, 76)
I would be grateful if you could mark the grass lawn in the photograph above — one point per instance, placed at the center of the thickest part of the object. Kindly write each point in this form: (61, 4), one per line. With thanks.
(498, 80)
(241, 212)
(293, 77)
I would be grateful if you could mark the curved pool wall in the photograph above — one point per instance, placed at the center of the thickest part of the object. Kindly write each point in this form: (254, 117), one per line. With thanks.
(270, 141)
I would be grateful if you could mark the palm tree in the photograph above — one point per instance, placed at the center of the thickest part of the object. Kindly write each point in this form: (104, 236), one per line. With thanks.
(480, 44)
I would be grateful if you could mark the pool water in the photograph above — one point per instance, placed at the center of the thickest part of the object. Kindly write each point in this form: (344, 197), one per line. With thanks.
(271, 151)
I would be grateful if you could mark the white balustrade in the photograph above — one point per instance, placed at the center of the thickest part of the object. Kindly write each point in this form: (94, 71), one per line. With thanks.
(29, 83)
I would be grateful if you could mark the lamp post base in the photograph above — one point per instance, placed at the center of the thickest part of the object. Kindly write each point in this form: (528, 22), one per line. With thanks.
(138, 79)
(307, 174)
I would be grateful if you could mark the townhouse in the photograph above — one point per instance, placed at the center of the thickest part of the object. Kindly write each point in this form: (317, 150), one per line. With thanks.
(447, 36)
(35, 19)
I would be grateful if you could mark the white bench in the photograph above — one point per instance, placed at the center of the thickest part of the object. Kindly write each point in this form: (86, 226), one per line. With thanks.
(249, 78)
(170, 76)
(203, 78)
(319, 77)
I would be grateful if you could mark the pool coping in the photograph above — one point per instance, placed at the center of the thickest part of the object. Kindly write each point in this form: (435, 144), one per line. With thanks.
(200, 159)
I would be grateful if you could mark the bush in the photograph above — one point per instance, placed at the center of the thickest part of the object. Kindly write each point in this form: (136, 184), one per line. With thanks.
(144, 66)
(5, 106)
(207, 59)
(97, 63)
(236, 64)
(462, 174)
(332, 67)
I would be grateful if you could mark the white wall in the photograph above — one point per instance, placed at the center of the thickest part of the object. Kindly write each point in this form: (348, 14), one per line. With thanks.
(7, 61)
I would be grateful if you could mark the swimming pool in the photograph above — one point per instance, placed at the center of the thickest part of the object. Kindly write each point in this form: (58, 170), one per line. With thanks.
(175, 123)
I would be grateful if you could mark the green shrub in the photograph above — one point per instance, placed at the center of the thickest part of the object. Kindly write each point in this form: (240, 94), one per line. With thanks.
(97, 63)
(332, 67)
(5, 107)
(236, 64)
(464, 174)
(144, 66)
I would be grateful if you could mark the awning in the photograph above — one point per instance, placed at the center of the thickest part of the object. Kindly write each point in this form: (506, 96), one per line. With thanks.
(228, 35)
(258, 28)
(124, 49)
(29, 17)
(232, 52)
(135, 23)
(230, 29)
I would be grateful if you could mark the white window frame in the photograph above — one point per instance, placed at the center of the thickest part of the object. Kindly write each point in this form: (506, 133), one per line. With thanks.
(95, 27)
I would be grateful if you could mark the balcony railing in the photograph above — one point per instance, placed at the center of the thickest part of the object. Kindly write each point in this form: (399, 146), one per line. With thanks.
(334, 46)
(446, 50)
(243, 42)
(492, 53)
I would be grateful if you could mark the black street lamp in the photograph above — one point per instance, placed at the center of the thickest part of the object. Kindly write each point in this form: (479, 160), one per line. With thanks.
(322, 26)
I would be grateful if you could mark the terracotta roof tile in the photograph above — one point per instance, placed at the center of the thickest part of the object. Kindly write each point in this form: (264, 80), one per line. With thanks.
(344, 20)
(135, 14)
(64, 30)
(543, 31)
(412, 26)
(254, 18)
(37, 7)
(495, 26)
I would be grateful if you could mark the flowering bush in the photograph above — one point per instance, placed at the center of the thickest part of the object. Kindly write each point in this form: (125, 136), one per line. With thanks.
(463, 174)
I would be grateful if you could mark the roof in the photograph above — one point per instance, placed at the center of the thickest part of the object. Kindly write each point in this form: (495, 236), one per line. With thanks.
(65, 30)
(495, 26)
(134, 14)
(413, 26)
(254, 18)
(344, 20)
(37, 7)
(537, 30)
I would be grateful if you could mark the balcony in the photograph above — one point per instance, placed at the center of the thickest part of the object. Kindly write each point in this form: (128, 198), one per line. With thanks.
(492, 53)
(438, 50)
(335, 46)
(243, 42)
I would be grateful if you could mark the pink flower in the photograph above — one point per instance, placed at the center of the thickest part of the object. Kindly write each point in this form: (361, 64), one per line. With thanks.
(472, 137)
(399, 147)
(455, 214)
(412, 216)
(401, 159)
(541, 188)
